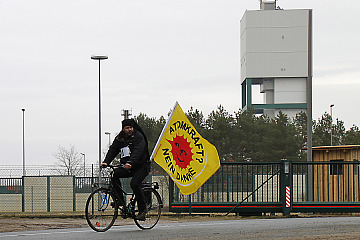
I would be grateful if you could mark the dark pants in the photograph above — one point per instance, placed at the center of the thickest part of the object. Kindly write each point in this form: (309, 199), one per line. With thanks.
(138, 175)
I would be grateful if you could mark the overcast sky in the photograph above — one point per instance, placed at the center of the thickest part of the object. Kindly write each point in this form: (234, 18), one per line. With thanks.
(160, 51)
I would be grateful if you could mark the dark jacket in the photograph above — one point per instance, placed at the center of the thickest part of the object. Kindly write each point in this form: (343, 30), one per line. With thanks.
(137, 143)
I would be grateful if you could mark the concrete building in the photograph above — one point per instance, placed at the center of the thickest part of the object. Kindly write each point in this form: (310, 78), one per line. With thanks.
(276, 53)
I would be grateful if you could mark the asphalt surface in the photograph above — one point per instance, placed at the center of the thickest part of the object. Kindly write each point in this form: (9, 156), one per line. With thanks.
(278, 228)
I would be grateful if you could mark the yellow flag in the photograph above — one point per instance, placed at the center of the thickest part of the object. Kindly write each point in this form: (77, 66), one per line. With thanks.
(189, 159)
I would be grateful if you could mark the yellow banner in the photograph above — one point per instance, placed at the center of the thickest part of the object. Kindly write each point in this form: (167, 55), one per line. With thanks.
(189, 159)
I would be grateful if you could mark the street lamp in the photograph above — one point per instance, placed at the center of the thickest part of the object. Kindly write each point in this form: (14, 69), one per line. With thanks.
(108, 133)
(84, 162)
(23, 111)
(331, 106)
(99, 58)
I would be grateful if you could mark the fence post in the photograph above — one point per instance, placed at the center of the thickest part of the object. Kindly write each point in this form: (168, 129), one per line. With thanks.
(92, 177)
(286, 186)
(48, 189)
(23, 194)
(171, 193)
(190, 204)
(74, 193)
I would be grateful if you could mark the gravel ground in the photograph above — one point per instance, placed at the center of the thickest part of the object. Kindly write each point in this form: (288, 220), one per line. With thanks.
(16, 224)
(19, 223)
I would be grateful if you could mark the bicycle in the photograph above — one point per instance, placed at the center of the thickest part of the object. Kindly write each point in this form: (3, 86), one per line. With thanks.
(102, 209)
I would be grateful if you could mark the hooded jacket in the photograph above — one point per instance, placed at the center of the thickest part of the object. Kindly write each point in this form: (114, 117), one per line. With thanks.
(133, 149)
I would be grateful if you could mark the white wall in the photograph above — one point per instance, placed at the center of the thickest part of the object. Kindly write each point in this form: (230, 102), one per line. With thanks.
(274, 43)
(290, 90)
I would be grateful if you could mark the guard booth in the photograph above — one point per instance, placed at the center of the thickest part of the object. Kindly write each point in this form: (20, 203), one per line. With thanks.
(336, 173)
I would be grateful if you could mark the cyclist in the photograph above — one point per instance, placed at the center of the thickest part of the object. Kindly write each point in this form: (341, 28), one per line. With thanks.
(132, 145)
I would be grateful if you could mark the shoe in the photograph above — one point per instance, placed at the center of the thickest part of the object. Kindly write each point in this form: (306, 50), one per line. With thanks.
(141, 216)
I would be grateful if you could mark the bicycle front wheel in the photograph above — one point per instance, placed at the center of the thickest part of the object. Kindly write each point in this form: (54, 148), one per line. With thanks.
(154, 205)
(101, 210)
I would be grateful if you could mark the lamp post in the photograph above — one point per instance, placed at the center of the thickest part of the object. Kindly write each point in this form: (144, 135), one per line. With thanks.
(108, 133)
(23, 111)
(99, 58)
(84, 162)
(331, 107)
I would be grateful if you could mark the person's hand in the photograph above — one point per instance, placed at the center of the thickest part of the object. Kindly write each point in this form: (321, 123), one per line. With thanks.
(128, 166)
(104, 165)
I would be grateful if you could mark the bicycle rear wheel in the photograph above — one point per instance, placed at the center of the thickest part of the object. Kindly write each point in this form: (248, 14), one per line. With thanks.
(154, 205)
(101, 210)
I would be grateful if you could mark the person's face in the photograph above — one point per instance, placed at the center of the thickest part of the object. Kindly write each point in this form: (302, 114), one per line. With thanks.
(128, 130)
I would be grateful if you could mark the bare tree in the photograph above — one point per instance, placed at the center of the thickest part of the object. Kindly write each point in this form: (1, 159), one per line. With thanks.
(68, 161)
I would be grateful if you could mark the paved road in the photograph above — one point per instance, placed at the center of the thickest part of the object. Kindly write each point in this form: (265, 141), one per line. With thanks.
(281, 228)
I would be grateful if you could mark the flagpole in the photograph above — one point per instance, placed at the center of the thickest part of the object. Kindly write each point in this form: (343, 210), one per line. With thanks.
(163, 130)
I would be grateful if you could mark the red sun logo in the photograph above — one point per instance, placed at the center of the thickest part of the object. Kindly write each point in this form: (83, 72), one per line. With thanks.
(181, 151)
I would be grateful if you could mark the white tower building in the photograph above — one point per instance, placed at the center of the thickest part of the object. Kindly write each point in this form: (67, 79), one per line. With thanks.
(276, 53)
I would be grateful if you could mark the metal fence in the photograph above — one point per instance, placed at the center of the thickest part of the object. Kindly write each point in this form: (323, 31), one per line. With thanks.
(11, 185)
(276, 187)
(235, 181)
(247, 187)
(36, 194)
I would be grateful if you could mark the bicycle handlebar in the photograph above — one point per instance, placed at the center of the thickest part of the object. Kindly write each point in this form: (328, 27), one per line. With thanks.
(113, 167)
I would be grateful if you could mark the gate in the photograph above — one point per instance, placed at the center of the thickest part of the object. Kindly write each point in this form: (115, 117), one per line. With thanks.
(275, 187)
(255, 185)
